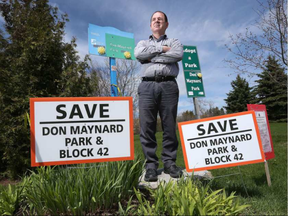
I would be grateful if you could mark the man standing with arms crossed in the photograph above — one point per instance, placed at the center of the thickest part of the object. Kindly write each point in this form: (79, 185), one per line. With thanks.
(158, 92)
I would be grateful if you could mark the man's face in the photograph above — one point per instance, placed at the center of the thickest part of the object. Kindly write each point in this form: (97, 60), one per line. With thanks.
(158, 23)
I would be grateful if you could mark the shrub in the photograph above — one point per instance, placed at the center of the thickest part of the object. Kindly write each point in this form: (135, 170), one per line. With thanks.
(187, 197)
(81, 190)
(10, 198)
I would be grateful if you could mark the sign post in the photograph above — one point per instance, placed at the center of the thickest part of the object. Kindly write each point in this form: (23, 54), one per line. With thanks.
(267, 174)
(81, 130)
(264, 128)
(113, 77)
(113, 43)
(196, 107)
(193, 76)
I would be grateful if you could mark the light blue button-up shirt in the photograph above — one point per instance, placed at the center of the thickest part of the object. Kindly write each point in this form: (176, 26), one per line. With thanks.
(154, 61)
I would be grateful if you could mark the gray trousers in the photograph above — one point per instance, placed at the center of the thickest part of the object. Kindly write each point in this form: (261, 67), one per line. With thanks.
(159, 97)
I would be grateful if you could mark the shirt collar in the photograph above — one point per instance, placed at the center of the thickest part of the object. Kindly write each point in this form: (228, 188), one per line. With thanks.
(162, 37)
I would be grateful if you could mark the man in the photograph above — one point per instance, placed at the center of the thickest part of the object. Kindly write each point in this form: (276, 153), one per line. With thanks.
(158, 92)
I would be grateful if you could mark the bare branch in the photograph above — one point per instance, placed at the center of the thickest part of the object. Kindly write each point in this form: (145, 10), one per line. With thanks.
(128, 79)
(250, 50)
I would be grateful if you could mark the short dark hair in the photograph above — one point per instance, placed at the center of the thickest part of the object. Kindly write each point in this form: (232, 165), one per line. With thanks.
(166, 19)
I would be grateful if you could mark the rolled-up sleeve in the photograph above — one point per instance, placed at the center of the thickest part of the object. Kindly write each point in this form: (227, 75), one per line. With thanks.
(174, 55)
(145, 51)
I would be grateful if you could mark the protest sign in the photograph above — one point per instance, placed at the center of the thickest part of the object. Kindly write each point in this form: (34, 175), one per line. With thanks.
(81, 130)
(264, 129)
(221, 141)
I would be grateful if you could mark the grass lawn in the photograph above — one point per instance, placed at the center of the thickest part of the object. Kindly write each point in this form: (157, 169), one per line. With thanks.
(264, 200)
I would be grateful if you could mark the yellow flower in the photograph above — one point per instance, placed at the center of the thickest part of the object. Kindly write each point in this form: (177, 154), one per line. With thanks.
(101, 50)
(127, 55)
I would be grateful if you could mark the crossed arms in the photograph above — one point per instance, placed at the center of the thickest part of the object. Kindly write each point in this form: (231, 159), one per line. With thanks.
(146, 52)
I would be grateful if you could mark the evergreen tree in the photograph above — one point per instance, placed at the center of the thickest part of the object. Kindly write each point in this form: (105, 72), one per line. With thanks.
(188, 115)
(240, 95)
(213, 111)
(35, 62)
(272, 90)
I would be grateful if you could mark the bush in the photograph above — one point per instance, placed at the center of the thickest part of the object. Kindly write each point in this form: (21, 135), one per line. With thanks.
(83, 190)
(10, 198)
(187, 197)
(80, 190)
(97, 189)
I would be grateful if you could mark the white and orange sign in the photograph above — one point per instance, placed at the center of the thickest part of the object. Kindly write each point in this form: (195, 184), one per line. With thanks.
(222, 141)
(81, 130)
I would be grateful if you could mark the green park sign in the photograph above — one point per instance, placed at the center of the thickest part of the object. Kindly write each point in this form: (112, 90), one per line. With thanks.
(119, 47)
(192, 72)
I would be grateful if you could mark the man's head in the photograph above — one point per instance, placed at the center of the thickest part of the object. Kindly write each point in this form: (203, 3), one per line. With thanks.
(158, 23)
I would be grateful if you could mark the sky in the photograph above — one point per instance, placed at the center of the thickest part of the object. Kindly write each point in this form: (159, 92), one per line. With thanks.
(206, 24)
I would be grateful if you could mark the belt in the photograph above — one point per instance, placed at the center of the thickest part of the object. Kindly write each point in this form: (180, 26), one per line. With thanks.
(159, 78)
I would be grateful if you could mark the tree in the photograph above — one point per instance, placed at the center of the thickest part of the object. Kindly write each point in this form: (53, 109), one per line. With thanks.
(213, 111)
(127, 82)
(272, 90)
(240, 95)
(186, 116)
(204, 105)
(35, 62)
(252, 49)
(128, 79)
(207, 109)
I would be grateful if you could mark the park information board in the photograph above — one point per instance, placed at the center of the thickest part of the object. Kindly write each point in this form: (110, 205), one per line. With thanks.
(81, 130)
(222, 141)
(110, 42)
(264, 129)
(192, 72)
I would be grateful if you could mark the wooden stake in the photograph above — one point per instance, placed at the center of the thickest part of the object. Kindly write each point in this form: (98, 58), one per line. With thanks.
(267, 173)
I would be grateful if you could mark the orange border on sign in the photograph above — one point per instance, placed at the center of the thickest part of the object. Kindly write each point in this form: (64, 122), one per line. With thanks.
(32, 129)
(224, 165)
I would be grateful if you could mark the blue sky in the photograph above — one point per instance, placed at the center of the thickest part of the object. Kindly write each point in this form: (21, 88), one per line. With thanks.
(202, 23)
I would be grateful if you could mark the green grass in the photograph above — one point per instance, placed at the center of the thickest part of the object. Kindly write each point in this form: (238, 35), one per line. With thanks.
(99, 189)
(264, 200)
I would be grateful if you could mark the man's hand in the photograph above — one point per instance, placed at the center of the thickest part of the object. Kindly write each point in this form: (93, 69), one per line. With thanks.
(165, 49)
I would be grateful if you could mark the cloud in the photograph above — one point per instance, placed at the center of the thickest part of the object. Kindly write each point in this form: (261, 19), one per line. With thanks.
(205, 24)
(207, 30)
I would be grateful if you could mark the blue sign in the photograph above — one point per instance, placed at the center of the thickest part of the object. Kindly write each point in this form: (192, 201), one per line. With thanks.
(97, 39)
